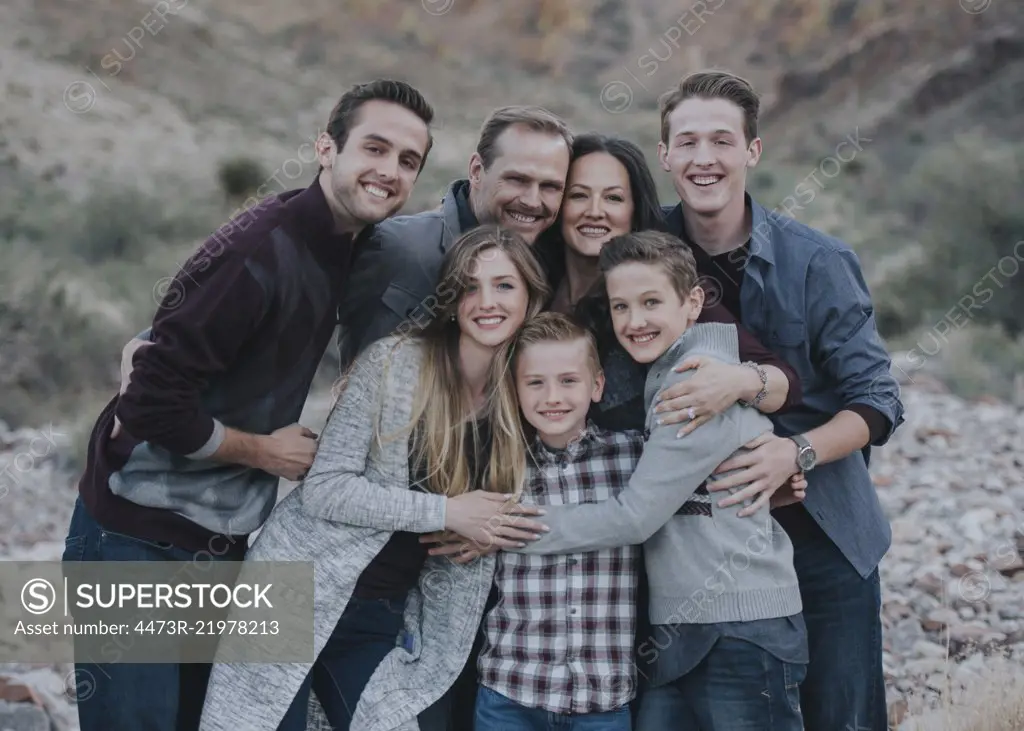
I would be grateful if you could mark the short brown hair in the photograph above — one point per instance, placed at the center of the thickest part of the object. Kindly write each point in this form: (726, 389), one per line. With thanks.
(346, 111)
(713, 85)
(653, 247)
(554, 327)
(537, 119)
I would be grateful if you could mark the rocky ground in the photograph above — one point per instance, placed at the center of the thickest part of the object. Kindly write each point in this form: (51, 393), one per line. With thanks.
(951, 481)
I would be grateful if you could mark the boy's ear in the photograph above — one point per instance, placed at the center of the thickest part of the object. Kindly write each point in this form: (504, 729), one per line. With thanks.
(598, 390)
(696, 303)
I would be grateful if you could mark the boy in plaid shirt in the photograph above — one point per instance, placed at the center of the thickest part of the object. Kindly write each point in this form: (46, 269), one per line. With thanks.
(558, 643)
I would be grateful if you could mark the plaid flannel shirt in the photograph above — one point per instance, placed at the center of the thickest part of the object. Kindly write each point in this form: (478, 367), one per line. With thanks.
(561, 634)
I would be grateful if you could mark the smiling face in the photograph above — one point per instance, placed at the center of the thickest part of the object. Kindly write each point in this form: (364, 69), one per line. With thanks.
(648, 315)
(371, 177)
(598, 203)
(556, 384)
(522, 189)
(495, 300)
(707, 154)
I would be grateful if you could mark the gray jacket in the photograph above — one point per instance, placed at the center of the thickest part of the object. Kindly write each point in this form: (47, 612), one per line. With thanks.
(398, 271)
(706, 565)
(361, 482)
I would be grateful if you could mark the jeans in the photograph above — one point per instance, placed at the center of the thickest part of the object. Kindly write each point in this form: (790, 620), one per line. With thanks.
(367, 631)
(845, 685)
(132, 696)
(737, 687)
(495, 712)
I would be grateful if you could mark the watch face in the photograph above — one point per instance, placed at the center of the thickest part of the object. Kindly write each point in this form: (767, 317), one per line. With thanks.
(807, 458)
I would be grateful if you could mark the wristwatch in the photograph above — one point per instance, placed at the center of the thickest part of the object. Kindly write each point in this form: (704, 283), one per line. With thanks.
(806, 457)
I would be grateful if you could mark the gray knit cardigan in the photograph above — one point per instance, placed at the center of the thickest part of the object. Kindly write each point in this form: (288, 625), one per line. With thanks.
(354, 497)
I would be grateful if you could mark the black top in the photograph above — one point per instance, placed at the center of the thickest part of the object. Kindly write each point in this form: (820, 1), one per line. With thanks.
(396, 569)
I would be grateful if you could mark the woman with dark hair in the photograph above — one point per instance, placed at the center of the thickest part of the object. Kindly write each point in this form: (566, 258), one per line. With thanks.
(609, 186)
(609, 192)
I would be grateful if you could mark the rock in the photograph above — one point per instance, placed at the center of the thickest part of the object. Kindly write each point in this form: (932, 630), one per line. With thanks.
(926, 649)
(972, 635)
(23, 717)
(930, 583)
(974, 525)
(1008, 566)
(897, 712)
(939, 618)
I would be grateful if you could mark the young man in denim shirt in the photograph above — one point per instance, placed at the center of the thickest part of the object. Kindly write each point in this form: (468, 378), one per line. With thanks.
(803, 294)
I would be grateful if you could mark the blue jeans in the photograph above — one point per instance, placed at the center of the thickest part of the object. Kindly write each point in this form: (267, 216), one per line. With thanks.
(845, 685)
(367, 631)
(132, 696)
(736, 687)
(495, 712)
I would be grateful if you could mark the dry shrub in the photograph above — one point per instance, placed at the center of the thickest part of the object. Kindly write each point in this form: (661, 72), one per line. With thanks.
(993, 701)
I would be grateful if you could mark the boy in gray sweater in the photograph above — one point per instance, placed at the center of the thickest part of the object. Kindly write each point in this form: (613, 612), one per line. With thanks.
(728, 644)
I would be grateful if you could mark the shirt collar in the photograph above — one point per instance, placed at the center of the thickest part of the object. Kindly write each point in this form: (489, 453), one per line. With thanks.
(456, 213)
(308, 211)
(574, 450)
(760, 242)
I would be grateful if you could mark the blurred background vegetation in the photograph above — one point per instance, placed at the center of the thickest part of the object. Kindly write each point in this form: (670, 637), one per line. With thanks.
(126, 138)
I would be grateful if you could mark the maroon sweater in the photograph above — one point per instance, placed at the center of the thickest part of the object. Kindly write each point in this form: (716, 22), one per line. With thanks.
(236, 342)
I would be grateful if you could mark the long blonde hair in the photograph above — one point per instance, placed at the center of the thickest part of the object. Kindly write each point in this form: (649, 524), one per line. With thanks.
(440, 422)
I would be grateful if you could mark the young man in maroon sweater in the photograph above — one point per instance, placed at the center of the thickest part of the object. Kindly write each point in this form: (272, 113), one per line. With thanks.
(207, 424)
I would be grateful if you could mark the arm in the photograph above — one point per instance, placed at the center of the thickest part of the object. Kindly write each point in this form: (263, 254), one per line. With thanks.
(338, 490)
(718, 385)
(336, 487)
(212, 308)
(846, 345)
(667, 475)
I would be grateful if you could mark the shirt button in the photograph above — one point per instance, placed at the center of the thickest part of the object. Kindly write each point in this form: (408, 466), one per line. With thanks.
(572, 610)
(572, 561)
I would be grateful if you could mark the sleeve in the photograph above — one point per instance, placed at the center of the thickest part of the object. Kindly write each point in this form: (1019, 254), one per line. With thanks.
(844, 337)
(753, 350)
(336, 487)
(668, 473)
(208, 311)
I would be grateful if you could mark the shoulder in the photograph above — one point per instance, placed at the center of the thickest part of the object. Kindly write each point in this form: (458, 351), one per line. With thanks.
(408, 231)
(794, 238)
(393, 351)
(627, 442)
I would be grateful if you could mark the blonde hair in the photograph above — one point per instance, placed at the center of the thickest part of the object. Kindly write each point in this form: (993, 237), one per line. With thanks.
(554, 327)
(439, 425)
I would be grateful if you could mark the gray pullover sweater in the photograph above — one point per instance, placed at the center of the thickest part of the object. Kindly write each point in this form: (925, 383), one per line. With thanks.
(704, 563)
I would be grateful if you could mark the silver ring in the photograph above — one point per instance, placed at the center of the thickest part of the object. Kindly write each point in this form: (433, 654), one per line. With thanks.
(692, 413)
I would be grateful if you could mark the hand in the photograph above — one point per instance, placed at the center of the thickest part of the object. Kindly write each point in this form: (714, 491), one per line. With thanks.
(793, 491)
(127, 354)
(449, 543)
(489, 519)
(771, 461)
(288, 452)
(711, 390)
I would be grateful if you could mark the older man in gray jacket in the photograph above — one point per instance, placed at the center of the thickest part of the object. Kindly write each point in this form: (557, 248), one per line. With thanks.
(516, 178)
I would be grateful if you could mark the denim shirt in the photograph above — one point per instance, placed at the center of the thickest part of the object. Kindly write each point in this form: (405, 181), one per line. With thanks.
(804, 295)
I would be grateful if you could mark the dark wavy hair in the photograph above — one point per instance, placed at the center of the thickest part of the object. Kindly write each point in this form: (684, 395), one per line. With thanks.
(550, 246)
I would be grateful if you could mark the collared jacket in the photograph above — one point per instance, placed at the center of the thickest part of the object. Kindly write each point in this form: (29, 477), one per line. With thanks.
(804, 296)
(397, 270)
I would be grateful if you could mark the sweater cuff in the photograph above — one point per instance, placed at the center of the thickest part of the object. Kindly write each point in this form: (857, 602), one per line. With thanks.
(212, 444)
(878, 424)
